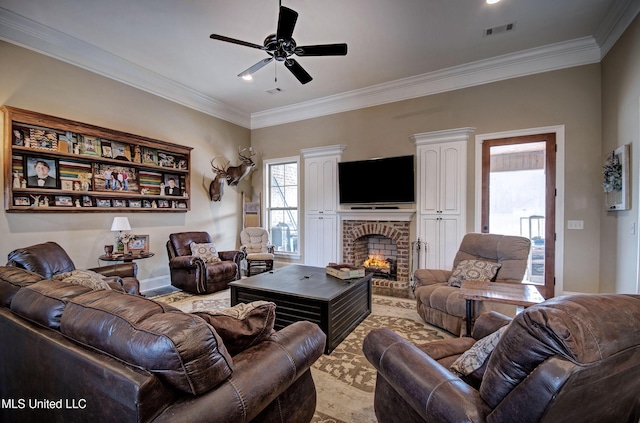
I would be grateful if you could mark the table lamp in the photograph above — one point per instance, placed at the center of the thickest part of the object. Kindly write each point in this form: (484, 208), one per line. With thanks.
(120, 223)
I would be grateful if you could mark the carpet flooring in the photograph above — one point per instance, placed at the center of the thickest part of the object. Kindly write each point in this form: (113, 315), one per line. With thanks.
(344, 379)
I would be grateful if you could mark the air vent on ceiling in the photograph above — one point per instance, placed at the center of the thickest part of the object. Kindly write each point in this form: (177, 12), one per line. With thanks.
(275, 90)
(499, 29)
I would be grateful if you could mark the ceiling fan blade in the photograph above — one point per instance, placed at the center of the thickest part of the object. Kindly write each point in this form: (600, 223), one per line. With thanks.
(286, 23)
(298, 71)
(322, 50)
(253, 69)
(234, 41)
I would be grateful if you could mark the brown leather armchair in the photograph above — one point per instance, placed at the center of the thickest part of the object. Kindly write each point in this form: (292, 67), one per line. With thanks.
(569, 359)
(442, 305)
(193, 274)
(49, 259)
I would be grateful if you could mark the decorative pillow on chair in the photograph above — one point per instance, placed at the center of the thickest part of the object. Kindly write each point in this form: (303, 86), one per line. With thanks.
(86, 278)
(474, 357)
(207, 252)
(242, 325)
(475, 270)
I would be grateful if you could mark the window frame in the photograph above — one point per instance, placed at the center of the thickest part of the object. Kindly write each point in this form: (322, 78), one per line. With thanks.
(266, 209)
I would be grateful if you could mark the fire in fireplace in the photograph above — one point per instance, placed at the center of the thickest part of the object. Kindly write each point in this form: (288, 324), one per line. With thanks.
(380, 267)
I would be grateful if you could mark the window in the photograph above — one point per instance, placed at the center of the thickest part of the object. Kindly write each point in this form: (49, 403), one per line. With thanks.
(281, 180)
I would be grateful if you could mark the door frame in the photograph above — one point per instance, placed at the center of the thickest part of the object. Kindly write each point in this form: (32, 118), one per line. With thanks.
(559, 131)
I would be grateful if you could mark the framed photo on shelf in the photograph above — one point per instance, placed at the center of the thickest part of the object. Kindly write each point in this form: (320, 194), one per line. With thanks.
(139, 244)
(136, 204)
(42, 172)
(146, 204)
(63, 201)
(87, 201)
(108, 177)
(89, 146)
(106, 148)
(43, 139)
(19, 138)
(21, 201)
(171, 185)
(166, 160)
(119, 203)
(103, 202)
(149, 156)
(163, 204)
(66, 185)
(120, 151)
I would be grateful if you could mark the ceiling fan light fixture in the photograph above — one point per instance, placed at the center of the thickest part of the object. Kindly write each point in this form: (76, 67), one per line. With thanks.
(492, 1)
(247, 77)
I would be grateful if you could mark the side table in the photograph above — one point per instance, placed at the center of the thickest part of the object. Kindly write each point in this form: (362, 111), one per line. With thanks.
(522, 295)
(127, 258)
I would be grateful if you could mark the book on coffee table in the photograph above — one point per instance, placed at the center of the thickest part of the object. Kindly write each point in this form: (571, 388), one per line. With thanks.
(344, 271)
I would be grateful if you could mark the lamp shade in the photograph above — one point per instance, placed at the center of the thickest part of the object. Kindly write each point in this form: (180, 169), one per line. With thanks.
(120, 223)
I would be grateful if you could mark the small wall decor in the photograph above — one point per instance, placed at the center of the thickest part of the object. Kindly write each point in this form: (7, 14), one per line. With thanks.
(615, 179)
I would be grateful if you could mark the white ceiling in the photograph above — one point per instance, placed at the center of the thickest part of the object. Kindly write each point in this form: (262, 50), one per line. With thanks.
(397, 49)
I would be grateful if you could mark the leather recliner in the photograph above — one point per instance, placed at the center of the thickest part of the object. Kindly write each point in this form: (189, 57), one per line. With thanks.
(569, 359)
(49, 259)
(442, 305)
(191, 273)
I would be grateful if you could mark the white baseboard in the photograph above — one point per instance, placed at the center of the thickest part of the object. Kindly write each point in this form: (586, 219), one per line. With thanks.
(154, 283)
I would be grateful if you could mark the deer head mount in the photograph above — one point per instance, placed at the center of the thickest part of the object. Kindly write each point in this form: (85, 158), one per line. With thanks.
(232, 174)
(216, 187)
(236, 173)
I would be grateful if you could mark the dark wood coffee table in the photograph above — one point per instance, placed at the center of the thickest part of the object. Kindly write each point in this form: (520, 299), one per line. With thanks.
(308, 293)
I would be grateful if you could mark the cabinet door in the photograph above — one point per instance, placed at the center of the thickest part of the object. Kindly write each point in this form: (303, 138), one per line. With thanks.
(320, 240)
(321, 185)
(450, 179)
(442, 235)
(450, 237)
(429, 163)
(430, 234)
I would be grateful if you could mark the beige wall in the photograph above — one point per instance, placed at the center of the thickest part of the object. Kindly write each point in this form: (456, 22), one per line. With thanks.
(39, 83)
(621, 125)
(569, 97)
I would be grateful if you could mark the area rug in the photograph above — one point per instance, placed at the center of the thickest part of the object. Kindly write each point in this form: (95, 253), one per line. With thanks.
(345, 380)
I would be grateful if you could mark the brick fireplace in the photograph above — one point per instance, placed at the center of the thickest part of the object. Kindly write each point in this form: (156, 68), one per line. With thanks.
(370, 233)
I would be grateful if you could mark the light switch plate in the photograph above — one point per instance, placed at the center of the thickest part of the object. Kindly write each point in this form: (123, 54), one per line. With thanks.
(575, 224)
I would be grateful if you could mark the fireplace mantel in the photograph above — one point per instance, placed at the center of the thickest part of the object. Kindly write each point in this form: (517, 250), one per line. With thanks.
(382, 215)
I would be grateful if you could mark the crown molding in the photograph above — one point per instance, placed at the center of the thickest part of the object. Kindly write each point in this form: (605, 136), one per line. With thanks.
(17, 29)
(27, 33)
(577, 52)
(617, 20)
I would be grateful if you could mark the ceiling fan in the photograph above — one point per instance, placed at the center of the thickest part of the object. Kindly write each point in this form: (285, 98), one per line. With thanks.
(281, 46)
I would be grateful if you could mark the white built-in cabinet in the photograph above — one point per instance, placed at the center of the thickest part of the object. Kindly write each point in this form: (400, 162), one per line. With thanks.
(321, 204)
(441, 194)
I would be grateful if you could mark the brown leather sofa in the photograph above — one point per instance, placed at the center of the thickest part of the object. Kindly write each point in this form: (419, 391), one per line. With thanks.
(569, 359)
(442, 305)
(49, 259)
(107, 356)
(193, 274)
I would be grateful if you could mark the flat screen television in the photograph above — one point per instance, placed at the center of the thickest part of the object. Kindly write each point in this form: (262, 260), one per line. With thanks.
(388, 180)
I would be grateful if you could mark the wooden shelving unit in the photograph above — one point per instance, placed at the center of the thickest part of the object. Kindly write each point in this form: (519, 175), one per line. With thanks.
(84, 160)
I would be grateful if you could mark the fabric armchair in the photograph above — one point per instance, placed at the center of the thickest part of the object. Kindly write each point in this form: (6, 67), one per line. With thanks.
(196, 274)
(257, 248)
(50, 259)
(442, 305)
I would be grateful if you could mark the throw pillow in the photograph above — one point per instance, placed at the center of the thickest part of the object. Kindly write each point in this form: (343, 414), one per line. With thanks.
(477, 270)
(87, 278)
(242, 325)
(474, 357)
(207, 252)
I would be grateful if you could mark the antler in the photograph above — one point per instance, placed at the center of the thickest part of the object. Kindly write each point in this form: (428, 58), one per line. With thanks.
(219, 169)
(251, 153)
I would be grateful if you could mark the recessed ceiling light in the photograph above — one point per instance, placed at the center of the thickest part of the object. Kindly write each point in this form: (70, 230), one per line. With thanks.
(492, 1)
